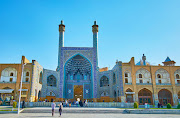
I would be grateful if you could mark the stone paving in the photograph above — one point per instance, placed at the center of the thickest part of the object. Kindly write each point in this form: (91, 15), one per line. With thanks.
(42, 112)
(74, 110)
(66, 115)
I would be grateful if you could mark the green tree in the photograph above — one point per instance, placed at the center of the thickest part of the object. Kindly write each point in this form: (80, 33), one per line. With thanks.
(169, 106)
(14, 104)
(178, 107)
(136, 105)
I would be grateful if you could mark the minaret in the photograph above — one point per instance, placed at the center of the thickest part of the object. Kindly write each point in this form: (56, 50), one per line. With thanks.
(95, 40)
(61, 41)
(144, 59)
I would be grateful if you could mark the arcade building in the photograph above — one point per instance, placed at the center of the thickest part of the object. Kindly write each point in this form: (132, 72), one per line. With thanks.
(78, 77)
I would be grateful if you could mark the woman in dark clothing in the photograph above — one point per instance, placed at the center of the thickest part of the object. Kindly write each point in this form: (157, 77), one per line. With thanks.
(60, 108)
(159, 105)
(81, 103)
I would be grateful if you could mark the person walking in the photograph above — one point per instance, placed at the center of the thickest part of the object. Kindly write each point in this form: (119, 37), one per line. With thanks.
(81, 103)
(23, 104)
(66, 103)
(86, 103)
(159, 105)
(53, 105)
(60, 109)
(69, 103)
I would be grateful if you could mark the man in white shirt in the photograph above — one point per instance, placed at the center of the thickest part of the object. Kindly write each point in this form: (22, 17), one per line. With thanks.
(53, 105)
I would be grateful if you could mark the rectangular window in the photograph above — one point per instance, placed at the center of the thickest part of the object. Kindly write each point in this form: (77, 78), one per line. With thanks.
(178, 81)
(149, 100)
(159, 81)
(126, 74)
(140, 100)
(23, 93)
(11, 79)
(140, 81)
(126, 80)
(27, 79)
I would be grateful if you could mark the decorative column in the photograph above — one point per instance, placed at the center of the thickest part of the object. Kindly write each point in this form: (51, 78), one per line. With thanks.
(61, 42)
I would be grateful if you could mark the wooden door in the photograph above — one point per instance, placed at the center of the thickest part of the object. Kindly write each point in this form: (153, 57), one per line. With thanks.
(78, 92)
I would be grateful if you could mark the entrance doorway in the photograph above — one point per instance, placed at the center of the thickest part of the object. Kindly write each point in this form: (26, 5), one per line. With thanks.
(78, 92)
(165, 97)
(129, 95)
(145, 96)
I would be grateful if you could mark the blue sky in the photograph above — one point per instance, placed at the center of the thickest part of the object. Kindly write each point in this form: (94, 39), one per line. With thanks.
(127, 28)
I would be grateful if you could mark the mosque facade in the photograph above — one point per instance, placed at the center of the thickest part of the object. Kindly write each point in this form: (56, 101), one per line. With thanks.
(78, 77)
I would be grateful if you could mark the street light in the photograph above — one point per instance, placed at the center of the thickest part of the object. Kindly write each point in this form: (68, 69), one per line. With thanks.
(21, 86)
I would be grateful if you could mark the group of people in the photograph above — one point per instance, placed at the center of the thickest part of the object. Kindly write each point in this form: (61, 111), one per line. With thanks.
(1, 102)
(53, 105)
(160, 105)
(80, 103)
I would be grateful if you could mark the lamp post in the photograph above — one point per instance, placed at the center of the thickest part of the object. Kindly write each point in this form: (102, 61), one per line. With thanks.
(23, 64)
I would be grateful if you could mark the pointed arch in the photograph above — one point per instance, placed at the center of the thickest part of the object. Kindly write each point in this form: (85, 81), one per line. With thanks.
(9, 71)
(11, 74)
(8, 74)
(27, 73)
(127, 77)
(165, 97)
(164, 73)
(145, 96)
(129, 95)
(177, 76)
(76, 55)
(114, 78)
(40, 77)
(129, 90)
(104, 93)
(51, 81)
(7, 88)
(104, 81)
(143, 76)
(179, 95)
(51, 93)
(162, 76)
(78, 69)
(78, 65)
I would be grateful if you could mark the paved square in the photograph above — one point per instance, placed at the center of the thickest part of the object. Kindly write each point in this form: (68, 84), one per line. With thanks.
(41, 112)
(69, 115)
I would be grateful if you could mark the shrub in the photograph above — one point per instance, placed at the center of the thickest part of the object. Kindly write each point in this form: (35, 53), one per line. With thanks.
(178, 107)
(14, 104)
(136, 105)
(169, 106)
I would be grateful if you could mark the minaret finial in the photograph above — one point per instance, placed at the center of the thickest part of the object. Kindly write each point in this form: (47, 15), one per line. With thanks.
(61, 21)
(95, 22)
(144, 57)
